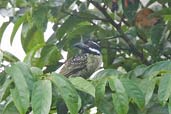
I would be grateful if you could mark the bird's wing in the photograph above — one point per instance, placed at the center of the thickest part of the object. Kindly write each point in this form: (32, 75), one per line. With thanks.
(74, 65)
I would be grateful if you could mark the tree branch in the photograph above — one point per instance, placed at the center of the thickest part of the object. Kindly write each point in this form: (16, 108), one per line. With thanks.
(134, 50)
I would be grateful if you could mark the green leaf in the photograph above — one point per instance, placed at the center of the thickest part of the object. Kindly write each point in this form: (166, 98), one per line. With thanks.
(134, 92)
(169, 105)
(156, 68)
(9, 57)
(30, 55)
(120, 98)
(39, 17)
(50, 55)
(20, 94)
(3, 78)
(107, 73)
(68, 92)
(16, 26)
(31, 37)
(149, 91)
(1, 57)
(130, 9)
(83, 85)
(156, 33)
(3, 28)
(42, 97)
(10, 108)
(27, 74)
(5, 91)
(164, 90)
(68, 25)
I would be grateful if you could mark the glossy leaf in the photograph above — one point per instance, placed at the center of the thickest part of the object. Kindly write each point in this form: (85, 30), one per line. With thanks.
(83, 85)
(164, 91)
(68, 92)
(42, 97)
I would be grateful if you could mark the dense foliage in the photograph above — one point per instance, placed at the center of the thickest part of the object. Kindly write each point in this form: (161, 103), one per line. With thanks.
(137, 69)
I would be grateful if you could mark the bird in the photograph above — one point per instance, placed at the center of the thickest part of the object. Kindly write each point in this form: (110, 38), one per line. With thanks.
(83, 64)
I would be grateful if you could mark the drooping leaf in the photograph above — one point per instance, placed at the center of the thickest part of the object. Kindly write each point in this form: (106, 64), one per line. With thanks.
(130, 7)
(68, 93)
(27, 74)
(30, 55)
(10, 108)
(3, 28)
(5, 91)
(164, 90)
(41, 97)
(120, 97)
(134, 92)
(68, 25)
(39, 17)
(3, 78)
(50, 55)
(7, 56)
(31, 37)
(17, 24)
(20, 94)
(157, 68)
(83, 85)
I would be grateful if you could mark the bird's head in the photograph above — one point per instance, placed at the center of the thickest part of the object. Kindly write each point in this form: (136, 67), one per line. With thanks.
(89, 47)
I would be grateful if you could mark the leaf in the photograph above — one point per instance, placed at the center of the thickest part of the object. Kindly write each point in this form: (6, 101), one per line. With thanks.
(9, 57)
(107, 73)
(3, 28)
(39, 17)
(31, 37)
(1, 57)
(42, 97)
(27, 74)
(20, 93)
(16, 26)
(164, 90)
(68, 25)
(134, 92)
(130, 8)
(156, 33)
(120, 98)
(50, 55)
(30, 55)
(156, 68)
(10, 108)
(83, 85)
(3, 78)
(149, 91)
(68, 93)
(169, 105)
(5, 91)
